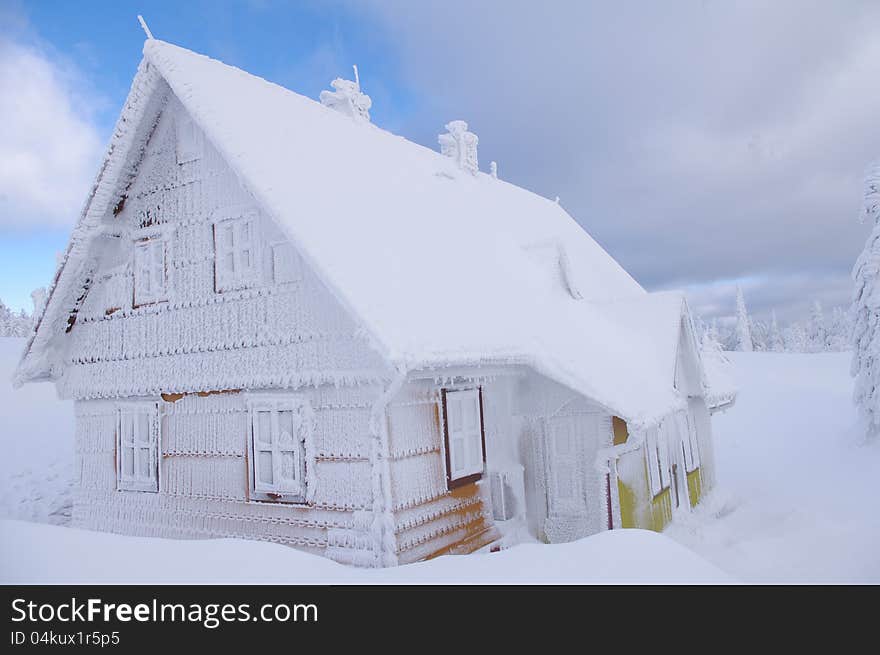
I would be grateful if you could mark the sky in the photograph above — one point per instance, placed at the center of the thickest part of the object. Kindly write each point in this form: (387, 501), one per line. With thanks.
(704, 144)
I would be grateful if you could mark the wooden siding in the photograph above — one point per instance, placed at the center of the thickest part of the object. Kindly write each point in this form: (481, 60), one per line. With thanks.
(285, 332)
(274, 334)
(203, 490)
(429, 519)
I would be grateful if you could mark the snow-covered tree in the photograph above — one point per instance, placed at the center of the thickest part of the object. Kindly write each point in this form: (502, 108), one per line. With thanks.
(14, 324)
(839, 330)
(760, 335)
(743, 324)
(866, 311)
(816, 332)
(775, 343)
(795, 338)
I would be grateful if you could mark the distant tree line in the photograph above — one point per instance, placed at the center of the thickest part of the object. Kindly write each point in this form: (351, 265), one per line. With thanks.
(14, 324)
(818, 332)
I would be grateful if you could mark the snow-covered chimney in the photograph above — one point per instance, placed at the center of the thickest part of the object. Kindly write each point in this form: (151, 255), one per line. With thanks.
(347, 98)
(460, 145)
(493, 169)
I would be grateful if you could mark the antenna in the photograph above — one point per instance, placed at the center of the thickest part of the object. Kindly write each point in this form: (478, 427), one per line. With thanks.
(144, 26)
(357, 80)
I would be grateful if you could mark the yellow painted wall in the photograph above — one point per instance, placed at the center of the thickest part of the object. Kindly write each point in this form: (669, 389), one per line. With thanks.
(637, 508)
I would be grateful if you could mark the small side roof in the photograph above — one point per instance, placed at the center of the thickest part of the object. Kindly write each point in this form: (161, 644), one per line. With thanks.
(438, 265)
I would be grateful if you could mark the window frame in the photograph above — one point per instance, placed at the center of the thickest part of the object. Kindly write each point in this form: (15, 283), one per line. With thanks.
(188, 143)
(138, 482)
(304, 460)
(141, 298)
(471, 476)
(235, 280)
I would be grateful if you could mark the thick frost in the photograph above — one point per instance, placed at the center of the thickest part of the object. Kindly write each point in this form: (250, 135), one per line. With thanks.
(432, 261)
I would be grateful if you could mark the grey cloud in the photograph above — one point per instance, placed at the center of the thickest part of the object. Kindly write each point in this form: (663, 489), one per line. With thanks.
(699, 142)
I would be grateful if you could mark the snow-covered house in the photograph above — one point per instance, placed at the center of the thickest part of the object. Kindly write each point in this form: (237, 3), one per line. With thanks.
(281, 322)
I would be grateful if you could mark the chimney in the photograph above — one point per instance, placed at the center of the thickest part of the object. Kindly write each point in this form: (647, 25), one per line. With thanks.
(346, 98)
(460, 145)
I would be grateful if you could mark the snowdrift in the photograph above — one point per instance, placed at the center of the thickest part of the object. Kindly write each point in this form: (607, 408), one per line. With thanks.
(43, 554)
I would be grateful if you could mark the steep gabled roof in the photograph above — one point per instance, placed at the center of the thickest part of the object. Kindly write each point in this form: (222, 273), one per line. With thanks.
(439, 266)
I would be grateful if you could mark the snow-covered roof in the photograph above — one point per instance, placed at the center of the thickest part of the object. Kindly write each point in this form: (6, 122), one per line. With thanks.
(441, 267)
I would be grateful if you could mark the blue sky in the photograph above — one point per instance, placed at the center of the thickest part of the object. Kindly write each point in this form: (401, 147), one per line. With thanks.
(301, 45)
(704, 144)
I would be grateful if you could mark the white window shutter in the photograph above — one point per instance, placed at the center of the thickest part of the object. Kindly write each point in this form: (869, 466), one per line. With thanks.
(157, 267)
(464, 431)
(237, 262)
(189, 142)
(277, 447)
(149, 271)
(264, 468)
(138, 447)
(285, 263)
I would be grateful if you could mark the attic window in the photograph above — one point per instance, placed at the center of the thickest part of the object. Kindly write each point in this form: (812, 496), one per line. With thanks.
(236, 253)
(149, 271)
(189, 140)
(463, 436)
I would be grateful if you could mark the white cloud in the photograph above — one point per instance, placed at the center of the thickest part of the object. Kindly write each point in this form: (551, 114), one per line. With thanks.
(49, 145)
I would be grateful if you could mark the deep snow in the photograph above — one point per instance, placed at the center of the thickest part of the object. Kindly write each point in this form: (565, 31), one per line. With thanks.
(797, 487)
(36, 469)
(795, 502)
(40, 553)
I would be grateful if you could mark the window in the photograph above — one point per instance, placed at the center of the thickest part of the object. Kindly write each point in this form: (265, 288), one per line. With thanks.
(137, 447)
(189, 141)
(285, 263)
(658, 459)
(280, 428)
(464, 441)
(236, 263)
(149, 271)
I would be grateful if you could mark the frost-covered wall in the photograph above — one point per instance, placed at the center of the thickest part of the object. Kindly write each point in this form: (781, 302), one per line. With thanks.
(430, 519)
(199, 352)
(204, 482)
(562, 436)
(284, 330)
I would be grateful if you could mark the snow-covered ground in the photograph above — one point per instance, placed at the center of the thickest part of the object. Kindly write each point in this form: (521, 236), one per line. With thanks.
(37, 438)
(797, 487)
(49, 554)
(795, 502)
